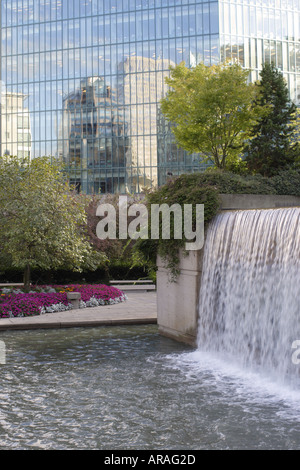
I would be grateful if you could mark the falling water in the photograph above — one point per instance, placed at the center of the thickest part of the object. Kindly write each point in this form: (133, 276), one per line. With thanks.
(249, 306)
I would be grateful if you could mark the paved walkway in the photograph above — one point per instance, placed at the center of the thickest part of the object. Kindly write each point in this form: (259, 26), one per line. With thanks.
(140, 308)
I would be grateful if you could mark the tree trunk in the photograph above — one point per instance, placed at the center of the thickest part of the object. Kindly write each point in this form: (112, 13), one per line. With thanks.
(26, 278)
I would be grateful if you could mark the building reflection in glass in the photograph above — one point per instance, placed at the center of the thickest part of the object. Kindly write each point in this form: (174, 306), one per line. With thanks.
(109, 134)
(171, 159)
(93, 137)
(15, 125)
(141, 85)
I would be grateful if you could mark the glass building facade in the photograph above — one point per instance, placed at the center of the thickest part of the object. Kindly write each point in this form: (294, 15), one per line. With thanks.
(82, 80)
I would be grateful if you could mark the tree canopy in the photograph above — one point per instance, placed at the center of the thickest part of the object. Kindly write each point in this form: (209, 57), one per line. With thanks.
(272, 147)
(42, 222)
(211, 109)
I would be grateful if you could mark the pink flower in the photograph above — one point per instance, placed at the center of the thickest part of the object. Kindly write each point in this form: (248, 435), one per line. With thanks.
(28, 304)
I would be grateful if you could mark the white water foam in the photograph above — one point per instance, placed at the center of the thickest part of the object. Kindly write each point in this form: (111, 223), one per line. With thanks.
(249, 306)
(223, 377)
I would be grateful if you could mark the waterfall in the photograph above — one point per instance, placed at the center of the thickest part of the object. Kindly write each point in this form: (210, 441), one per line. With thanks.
(249, 304)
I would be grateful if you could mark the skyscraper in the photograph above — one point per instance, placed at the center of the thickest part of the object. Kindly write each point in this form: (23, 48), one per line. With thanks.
(91, 74)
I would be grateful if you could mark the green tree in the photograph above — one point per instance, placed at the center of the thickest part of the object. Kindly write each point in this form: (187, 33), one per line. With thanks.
(211, 109)
(271, 148)
(42, 222)
(295, 138)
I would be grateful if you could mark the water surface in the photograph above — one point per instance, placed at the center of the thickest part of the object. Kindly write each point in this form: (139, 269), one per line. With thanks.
(130, 388)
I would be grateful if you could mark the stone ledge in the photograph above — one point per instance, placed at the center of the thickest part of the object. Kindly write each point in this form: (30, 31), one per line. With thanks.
(138, 309)
(257, 201)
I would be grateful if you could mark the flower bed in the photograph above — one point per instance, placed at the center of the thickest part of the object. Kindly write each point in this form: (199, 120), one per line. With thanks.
(47, 299)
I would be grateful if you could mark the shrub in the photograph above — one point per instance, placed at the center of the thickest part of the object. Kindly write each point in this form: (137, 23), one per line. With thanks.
(287, 182)
(205, 188)
(181, 190)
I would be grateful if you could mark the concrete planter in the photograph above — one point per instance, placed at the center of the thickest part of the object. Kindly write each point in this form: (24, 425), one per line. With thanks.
(74, 298)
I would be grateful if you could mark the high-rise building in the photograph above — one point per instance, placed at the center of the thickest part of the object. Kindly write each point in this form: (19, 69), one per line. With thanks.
(91, 74)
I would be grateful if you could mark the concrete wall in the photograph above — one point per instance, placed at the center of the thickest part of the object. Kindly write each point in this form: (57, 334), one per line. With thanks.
(257, 201)
(177, 302)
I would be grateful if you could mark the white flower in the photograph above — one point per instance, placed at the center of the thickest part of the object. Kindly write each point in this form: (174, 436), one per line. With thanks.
(6, 290)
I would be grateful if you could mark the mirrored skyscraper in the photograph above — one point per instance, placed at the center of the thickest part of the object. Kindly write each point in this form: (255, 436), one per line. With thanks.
(253, 32)
(82, 80)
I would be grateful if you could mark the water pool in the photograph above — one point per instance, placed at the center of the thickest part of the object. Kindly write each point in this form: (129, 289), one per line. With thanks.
(130, 388)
